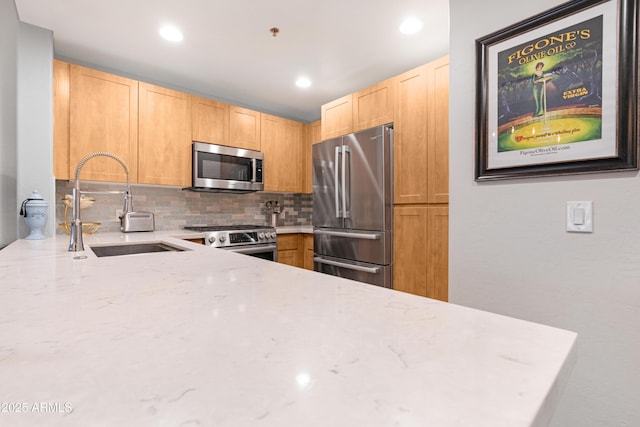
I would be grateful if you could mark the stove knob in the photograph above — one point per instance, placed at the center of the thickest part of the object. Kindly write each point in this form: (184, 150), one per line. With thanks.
(222, 238)
(260, 236)
(273, 235)
(212, 239)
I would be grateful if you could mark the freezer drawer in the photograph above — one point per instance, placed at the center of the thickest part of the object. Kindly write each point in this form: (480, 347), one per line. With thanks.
(379, 275)
(367, 246)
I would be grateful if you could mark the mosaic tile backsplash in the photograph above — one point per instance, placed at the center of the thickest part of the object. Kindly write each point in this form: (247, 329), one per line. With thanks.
(174, 208)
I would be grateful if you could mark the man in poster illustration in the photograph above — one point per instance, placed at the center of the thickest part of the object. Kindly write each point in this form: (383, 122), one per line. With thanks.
(549, 89)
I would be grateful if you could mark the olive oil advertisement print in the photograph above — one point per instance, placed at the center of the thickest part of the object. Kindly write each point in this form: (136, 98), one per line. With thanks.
(549, 90)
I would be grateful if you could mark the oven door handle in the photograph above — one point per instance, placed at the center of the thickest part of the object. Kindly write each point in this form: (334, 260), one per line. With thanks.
(252, 249)
(372, 270)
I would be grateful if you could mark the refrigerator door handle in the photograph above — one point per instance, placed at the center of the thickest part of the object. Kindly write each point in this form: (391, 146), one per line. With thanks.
(372, 270)
(336, 183)
(365, 236)
(345, 150)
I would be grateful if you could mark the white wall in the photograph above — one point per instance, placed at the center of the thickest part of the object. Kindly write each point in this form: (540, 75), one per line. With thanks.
(8, 169)
(510, 253)
(35, 120)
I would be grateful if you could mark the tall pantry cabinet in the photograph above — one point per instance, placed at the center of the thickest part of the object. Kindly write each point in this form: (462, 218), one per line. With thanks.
(421, 181)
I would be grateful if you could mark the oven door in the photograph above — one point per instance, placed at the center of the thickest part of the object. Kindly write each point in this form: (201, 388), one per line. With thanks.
(267, 251)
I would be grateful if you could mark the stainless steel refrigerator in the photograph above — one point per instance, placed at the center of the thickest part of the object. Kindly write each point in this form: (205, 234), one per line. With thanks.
(353, 206)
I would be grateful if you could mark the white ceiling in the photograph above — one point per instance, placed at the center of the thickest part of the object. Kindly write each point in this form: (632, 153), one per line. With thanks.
(229, 54)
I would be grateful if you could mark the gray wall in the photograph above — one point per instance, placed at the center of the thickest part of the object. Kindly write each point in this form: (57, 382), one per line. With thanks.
(510, 253)
(8, 144)
(35, 119)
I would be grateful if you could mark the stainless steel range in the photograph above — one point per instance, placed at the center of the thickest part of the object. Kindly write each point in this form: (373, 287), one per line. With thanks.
(255, 240)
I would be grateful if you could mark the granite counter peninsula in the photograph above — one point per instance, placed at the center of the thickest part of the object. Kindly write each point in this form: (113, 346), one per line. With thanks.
(214, 338)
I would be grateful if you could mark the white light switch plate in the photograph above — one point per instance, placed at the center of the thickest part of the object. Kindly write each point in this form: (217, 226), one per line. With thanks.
(580, 217)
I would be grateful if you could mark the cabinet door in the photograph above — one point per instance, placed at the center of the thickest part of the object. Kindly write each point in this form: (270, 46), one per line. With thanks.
(421, 135)
(209, 121)
(244, 128)
(337, 118)
(281, 143)
(308, 251)
(410, 138)
(165, 136)
(61, 119)
(289, 250)
(421, 249)
(311, 136)
(373, 106)
(438, 131)
(103, 116)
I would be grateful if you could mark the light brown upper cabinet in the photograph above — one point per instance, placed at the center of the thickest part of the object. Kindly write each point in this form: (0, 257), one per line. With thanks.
(438, 131)
(373, 106)
(337, 117)
(244, 128)
(103, 116)
(410, 137)
(209, 121)
(311, 136)
(421, 134)
(60, 119)
(165, 136)
(282, 147)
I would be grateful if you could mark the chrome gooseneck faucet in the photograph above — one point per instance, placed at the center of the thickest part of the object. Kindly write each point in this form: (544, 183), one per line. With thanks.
(75, 241)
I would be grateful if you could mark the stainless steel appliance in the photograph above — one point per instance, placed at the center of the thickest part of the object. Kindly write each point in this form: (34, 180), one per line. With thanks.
(352, 206)
(226, 169)
(255, 240)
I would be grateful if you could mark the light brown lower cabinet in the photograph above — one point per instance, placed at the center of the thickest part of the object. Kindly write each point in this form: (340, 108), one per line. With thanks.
(421, 247)
(308, 251)
(296, 250)
(288, 249)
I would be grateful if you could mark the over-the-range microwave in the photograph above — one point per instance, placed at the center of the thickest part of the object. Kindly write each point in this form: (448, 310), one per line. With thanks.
(226, 169)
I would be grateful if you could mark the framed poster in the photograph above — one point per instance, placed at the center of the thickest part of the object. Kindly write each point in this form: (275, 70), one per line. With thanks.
(557, 93)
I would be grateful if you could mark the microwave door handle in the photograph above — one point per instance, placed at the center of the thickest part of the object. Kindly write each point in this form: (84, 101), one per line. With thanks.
(254, 167)
(346, 151)
(336, 183)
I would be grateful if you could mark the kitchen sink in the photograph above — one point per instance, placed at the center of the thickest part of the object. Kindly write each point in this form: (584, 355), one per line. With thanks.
(135, 248)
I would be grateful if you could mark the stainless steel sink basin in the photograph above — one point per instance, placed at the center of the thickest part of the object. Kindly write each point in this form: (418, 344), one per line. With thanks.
(134, 248)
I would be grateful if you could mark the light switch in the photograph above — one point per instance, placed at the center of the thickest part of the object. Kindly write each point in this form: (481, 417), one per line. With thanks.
(580, 217)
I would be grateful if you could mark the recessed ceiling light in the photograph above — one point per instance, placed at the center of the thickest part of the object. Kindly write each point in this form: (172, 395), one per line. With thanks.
(410, 26)
(171, 33)
(303, 82)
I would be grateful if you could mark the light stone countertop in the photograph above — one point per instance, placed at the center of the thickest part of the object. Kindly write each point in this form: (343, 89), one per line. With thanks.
(214, 338)
(293, 229)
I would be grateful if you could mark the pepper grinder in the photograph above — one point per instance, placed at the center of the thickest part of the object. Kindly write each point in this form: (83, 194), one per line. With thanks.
(34, 210)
